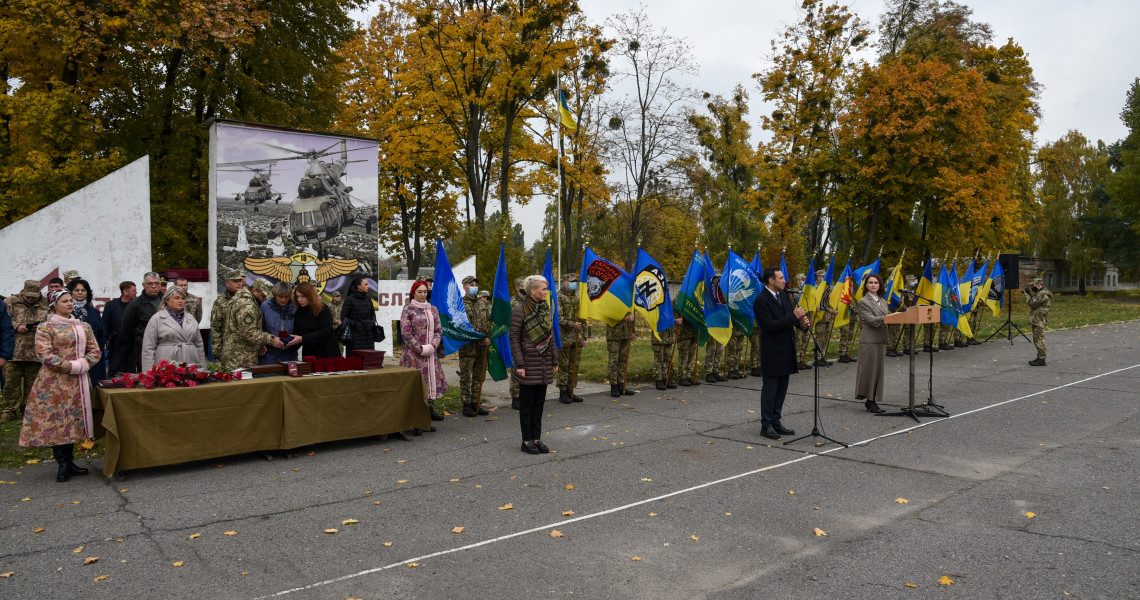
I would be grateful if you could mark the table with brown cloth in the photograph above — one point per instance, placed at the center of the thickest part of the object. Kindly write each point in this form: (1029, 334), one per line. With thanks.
(164, 426)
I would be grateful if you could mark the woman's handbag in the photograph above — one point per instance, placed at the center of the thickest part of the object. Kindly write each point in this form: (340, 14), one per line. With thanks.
(377, 333)
(343, 333)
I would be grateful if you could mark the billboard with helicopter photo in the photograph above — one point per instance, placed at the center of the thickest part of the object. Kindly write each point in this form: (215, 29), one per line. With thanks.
(291, 205)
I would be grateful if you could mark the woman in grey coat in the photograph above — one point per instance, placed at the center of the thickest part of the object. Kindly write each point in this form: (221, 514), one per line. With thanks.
(172, 333)
(872, 344)
(535, 357)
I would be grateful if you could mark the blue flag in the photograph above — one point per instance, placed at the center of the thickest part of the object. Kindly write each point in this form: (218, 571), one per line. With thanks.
(448, 300)
(757, 267)
(690, 298)
(976, 284)
(499, 357)
(651, 293)
(552, 299)
(739, 285)
(784, 267)
(718, 320)
(861, 275)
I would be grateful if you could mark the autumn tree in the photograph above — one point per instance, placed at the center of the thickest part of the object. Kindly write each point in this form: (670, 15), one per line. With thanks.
(813, 63)
(1117, 224)
(648, 130)
(417, 172)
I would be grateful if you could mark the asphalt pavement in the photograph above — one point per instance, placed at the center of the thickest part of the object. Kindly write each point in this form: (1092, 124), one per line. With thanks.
(1029, 490)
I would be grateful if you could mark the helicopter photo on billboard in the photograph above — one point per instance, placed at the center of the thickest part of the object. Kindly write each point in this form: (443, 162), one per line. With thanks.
(293, 205)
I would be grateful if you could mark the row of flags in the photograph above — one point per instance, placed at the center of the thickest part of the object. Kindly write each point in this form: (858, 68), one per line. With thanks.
(714, 304)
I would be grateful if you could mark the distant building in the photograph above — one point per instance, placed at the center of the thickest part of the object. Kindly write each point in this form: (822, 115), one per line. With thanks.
(1102, 277)
(423, 272)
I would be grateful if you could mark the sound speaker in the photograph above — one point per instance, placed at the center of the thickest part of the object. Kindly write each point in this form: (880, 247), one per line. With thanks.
(1009, 264)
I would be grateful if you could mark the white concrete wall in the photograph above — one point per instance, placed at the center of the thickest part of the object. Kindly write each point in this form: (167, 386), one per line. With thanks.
(102, 230)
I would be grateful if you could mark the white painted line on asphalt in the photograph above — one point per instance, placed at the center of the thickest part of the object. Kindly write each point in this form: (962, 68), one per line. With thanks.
(674, 493)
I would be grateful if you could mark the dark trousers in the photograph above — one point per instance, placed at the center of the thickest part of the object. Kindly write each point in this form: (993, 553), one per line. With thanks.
(531, 399)
(772, 398)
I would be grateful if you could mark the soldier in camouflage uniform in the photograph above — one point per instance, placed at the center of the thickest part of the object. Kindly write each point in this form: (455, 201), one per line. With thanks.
(520, 295)
(663, 356)
(218, 314)
(26, 310)
(826, 320)
(618, 339)
(335, 306)
(244, 337)
(847, 334)
(1039, 300)
(929, 328)
(734, 355)
(473, 355)
(714, 358)
(193, 303)
(570, 328)
(686, 353)
(897, 331)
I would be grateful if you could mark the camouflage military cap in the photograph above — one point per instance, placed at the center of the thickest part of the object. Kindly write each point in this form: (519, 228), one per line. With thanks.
(263, 286)
(820, 272)
(912, 277)
(31, 288)
(484, 294)
(336, 294)
(520, 283)
(71, 274)
(470, 279)
(570, 277)
(234, 274)
(800, 277)
(1038, 281)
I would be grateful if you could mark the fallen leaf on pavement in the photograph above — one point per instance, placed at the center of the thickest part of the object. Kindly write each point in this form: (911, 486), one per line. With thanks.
(40, 530)
(331, 531)
(7, 575)
(75, 502)
(102, 577)
(87, 444)
(388, 544)
(33, 461)
(454, 480)
(377, 502)
(636, 558)
(653, 514)
(77, 550)
(229, 533)
(911, 585)
(124, 490)
(401, 481)
(567, 513)
(1030, 515)
(90, 559)
(569, 486)
(506, 506)
(793, 492)
(646, 479)
(945, 580)
(555, 533)
(819, 532)
(694, 538)
(176, 564)
(195, 536)
(901, 501)
(349, 522)
(413, 565)
(458, 529)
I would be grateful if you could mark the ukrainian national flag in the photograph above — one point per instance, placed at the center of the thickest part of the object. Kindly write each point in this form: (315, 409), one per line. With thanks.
(448, 300)
(651, 293)
(951, 306)
(739, 285)
(718, 320)
(552, 299)
(605, 291)
(995, 297)
(892, 293)
(927, 290)
(690, 298)
(808, 300)
(841, 295)
(564, 113)
(499, 357)
(861, 275)
(822, 300)
(966, 288)
(976, 285)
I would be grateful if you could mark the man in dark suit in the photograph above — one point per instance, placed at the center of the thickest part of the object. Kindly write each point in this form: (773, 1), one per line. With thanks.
(778, 319)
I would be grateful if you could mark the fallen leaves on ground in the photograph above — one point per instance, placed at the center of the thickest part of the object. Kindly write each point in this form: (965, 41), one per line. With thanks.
(90, 560)
(25, 499)
(507, 506)
(636, 558)
(376, 502)
(87, 444)
(33, 461)
(458, 529)
(653, 514)
(102, 577)
(195, 536)
(39, 530)
(229, 532)
(75, 502)
(349, 522)
(401, 481)
(1030, 515)
(792, 492)
(77, 550)
(569, 486)
(901, 501)
(694, 538)
(945, 580)
(124, 490)
(7, 575)
(646, 479)
(819, 532)
(454, 480)
(555, 533)
(567, 513)
(331, 530)
(413, 565)
(911, 585)
(176, 564)
(387, 544)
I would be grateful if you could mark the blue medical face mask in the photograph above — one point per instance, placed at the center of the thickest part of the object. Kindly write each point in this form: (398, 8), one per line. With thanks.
(573, 285)
(473, 290)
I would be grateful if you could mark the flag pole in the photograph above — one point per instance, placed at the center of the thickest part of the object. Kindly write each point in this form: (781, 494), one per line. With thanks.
(558, 200)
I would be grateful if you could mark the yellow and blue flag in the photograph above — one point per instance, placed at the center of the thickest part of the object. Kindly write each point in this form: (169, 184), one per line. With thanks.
(951, 303)
(651, 293)
(448, 300)
(861, 275)
(552, 299)
(966, 288)
(605, 292)
(976, 285)
(841, 295)
(564, 113)
(995, 297)
(499, 357)
(691, 297)
(892, 293)
(739, 285)
(718, 319)
(927, 291)
(808, 301)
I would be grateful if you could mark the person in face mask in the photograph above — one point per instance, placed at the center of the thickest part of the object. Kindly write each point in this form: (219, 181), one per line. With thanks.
(570, 329)
(473, 355)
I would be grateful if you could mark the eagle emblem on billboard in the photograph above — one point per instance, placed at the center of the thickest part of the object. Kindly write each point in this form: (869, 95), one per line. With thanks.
(300, 268)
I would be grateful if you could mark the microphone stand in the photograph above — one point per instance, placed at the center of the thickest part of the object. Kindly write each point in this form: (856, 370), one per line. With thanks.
(819, 358)
(928, 408)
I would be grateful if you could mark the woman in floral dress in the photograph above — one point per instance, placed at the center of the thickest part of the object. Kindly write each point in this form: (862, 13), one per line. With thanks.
(59, 406)
(423, 333)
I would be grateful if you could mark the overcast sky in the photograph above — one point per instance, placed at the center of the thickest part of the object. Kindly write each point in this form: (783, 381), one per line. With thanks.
(1084, 53)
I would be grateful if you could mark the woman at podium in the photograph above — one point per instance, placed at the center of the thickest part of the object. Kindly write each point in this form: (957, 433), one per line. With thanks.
(872, 344)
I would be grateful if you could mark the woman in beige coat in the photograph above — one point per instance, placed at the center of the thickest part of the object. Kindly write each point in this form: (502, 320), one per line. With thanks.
(872, 344)
(172, 333)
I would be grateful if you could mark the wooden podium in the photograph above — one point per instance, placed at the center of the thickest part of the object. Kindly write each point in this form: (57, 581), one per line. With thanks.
(914, 316)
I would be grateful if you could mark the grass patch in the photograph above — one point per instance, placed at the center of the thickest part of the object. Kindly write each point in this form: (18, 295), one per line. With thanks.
(14, 456)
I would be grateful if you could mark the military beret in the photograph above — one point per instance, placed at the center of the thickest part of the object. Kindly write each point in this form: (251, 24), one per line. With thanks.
(71, 274)
(570, 277)
(234, 274)
(263, 286)
(470, 279)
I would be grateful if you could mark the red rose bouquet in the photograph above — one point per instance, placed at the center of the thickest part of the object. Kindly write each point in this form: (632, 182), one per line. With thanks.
(170, 375)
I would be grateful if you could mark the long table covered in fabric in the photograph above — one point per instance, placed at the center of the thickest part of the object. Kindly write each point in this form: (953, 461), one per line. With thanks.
(150, 428)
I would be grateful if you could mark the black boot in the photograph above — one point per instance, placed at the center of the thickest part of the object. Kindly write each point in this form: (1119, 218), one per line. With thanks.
(564, 396)
(686, 382)
(626, 391)
(615, 391)
(515, 403)
(435, 415)
(69, 454)
(576, 397)
(659, 384)
(671, 384)
(711, 378)
(63, 474)
(844, 358)
(756, 372)
(482, 412)
(469, 409)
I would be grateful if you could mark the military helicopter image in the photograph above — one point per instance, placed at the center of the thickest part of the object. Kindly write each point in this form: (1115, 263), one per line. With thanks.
(260, 190)
(324, 204)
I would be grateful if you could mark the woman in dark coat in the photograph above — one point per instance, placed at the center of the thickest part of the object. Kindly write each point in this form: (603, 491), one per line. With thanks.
(872, 344)
(313, 323)
(535, 357)
(83, 310)
(359, 316)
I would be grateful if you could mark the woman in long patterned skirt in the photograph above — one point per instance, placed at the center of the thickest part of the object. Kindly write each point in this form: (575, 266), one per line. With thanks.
(59, 405)
(423, 333)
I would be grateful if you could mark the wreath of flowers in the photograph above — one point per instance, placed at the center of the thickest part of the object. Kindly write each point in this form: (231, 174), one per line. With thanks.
(171, 374)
